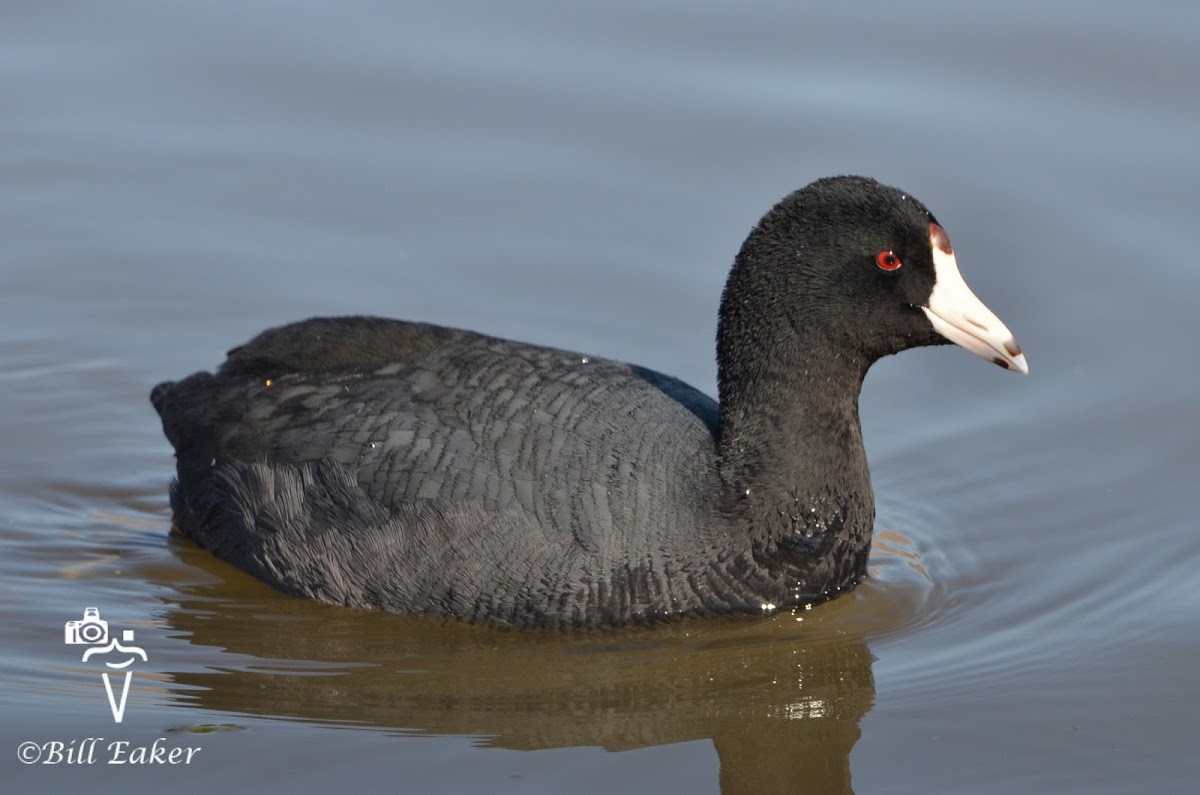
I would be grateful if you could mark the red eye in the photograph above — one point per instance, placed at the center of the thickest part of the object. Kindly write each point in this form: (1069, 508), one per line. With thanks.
(888, 260)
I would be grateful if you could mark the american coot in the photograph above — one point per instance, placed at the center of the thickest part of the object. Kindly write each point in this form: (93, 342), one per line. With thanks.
(422, 469)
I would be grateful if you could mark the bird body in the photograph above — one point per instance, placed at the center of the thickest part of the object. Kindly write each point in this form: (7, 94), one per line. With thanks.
(422, 469)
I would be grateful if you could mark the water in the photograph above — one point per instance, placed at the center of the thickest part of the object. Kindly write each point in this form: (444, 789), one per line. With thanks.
(176, 177)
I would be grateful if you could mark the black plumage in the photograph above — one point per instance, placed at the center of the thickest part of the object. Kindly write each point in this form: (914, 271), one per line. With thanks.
(416, 468)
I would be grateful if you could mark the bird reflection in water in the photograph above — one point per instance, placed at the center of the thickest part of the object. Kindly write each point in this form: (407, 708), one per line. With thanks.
(781, 699)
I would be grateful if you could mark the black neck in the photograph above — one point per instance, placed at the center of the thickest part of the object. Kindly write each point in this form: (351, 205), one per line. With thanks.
(792, 461)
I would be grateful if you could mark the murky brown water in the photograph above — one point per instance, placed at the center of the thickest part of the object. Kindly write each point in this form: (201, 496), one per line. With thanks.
(175, 177)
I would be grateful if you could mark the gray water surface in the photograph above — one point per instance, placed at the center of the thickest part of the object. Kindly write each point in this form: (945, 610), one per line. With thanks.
(176, 177)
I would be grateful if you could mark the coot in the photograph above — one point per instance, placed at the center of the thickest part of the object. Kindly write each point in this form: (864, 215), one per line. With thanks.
(422, 469)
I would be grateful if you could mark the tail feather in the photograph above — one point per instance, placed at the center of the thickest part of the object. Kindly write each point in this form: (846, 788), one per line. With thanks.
(159, 395)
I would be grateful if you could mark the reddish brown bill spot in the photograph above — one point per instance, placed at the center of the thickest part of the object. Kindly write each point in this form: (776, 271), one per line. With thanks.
(999, 361)
(939, 239)
(1012, 348)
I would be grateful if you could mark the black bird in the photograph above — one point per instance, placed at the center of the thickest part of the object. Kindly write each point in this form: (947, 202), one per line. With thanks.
(423, 469)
